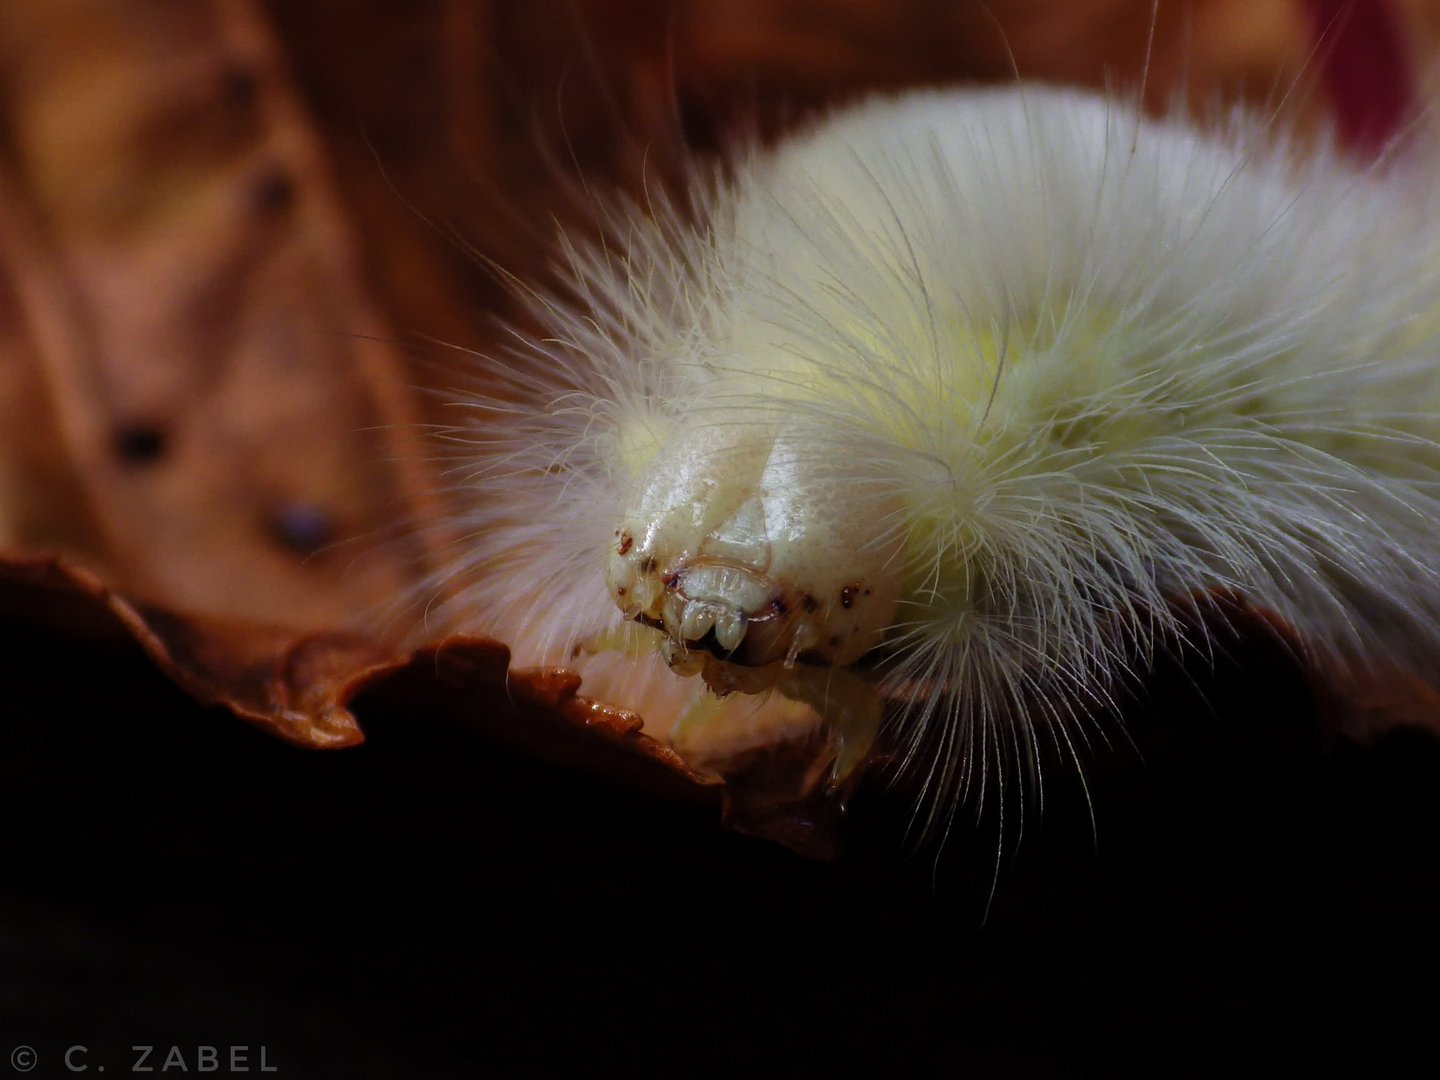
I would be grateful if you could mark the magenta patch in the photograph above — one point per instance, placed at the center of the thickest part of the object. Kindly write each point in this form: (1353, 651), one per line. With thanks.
(1366, 70)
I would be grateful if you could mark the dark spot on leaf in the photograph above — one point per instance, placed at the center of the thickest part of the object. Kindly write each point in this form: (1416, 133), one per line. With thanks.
(847, 596)
(140, 444)
(239, 85)
(647, 565)
(300, 527)
(626, 542)
(274, 192)
(809, 603)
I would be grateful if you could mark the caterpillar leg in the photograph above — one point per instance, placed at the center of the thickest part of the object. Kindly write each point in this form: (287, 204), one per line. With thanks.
(849, 701)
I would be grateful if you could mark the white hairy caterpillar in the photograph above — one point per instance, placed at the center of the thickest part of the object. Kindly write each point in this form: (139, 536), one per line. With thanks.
(950, 411)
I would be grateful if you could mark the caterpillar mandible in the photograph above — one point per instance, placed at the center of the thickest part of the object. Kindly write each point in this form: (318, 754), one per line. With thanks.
(946, 414)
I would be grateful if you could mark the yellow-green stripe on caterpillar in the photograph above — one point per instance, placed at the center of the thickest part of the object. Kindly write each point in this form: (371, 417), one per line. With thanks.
(936, 409)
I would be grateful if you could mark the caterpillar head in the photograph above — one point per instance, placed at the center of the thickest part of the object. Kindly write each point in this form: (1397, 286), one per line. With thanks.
(744, 545)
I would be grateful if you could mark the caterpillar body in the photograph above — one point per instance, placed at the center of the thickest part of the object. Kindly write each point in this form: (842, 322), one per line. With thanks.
(943, 417)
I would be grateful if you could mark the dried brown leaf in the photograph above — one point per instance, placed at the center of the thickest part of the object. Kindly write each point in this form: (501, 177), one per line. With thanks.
(214, 374)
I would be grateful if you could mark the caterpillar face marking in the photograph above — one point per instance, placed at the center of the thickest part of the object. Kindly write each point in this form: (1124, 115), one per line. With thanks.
(741, 541)
(955, 407)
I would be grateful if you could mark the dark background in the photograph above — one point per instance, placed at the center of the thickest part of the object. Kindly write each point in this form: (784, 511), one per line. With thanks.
(432, 905)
